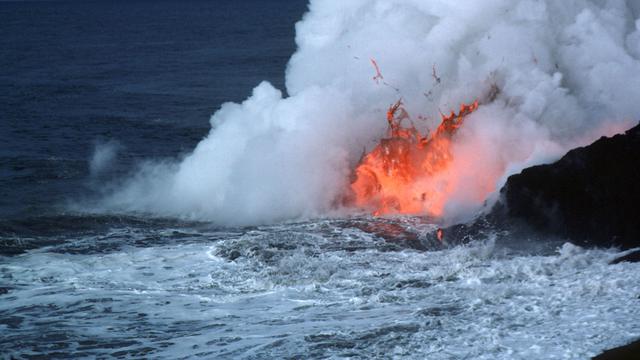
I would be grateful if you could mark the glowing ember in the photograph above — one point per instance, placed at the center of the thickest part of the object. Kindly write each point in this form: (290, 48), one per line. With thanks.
(378, 76)
(400, 175)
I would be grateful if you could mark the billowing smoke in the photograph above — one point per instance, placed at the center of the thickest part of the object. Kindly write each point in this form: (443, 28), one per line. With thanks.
(550, 75)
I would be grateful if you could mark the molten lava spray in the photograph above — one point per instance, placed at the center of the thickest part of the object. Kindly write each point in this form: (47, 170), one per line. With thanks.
(398, 175)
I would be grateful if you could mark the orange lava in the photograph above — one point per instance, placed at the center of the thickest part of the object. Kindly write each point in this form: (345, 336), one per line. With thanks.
(399, 176)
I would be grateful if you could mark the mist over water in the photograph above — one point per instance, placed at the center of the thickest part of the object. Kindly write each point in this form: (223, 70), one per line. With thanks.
(551, 75)
(104, 154)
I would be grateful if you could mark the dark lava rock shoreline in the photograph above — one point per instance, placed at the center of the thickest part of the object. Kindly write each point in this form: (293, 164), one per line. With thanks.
(630, 351)
(591, 197)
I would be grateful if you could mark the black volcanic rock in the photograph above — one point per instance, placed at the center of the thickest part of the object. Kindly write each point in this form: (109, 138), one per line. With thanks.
(630, 351)
(632, 257)
(590, 196)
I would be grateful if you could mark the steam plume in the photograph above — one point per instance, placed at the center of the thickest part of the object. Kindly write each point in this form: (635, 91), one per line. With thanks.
(552, 74)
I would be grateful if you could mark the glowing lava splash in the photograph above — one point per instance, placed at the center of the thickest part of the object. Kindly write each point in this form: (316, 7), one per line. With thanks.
(403, 174)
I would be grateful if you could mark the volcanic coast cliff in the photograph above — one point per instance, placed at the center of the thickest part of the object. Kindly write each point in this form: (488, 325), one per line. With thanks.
(590, 197)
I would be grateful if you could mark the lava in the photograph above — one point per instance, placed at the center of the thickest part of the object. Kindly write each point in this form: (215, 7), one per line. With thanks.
(402, 174)
(378, 75)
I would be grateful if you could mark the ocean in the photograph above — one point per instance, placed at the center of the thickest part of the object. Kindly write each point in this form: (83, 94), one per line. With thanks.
(89, 91)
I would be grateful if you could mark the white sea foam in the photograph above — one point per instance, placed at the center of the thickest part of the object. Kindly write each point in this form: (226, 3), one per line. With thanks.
(567, 72)
(319, 290)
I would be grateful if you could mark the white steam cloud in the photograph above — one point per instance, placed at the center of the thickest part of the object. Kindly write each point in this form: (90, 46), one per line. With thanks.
(104, 154)
(566, 72)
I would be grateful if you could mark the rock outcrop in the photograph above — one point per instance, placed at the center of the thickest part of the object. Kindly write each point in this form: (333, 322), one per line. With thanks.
(627, 352)
(591, 197)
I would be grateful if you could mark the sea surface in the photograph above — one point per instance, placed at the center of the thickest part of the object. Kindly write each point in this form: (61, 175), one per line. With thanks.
(144, 77)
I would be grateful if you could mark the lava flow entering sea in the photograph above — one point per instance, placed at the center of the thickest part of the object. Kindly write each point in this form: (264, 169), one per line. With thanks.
(401, 174)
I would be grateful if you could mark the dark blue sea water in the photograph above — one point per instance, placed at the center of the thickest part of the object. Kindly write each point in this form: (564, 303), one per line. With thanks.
(147, 75)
